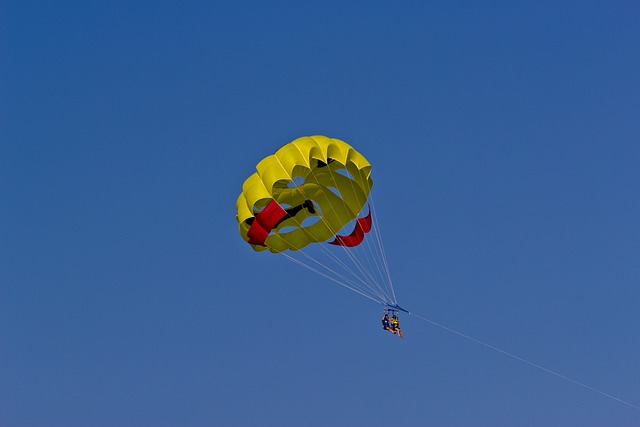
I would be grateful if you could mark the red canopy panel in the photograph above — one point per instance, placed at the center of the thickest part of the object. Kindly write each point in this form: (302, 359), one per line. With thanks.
(363, 225)
(265, 221)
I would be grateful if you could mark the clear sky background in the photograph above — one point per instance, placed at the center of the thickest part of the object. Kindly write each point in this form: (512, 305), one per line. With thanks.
(505, 143)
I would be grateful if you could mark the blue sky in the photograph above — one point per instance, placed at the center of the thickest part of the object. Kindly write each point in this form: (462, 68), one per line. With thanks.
(504, 139)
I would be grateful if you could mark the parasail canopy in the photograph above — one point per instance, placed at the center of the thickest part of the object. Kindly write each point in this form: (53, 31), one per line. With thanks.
(325, 172)
(311, 202)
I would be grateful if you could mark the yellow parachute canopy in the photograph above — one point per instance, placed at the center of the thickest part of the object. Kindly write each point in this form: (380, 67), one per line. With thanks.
(303, 193)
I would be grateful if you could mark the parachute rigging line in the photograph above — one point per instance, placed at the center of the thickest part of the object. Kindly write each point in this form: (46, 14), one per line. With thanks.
(362, 262)
(333, 279)
(361, 270)
(377, 253)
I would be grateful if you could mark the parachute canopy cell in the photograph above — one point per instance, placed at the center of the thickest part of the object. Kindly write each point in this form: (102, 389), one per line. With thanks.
(304, 193)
